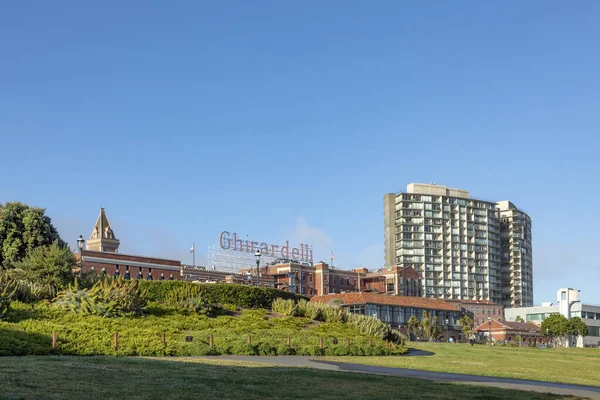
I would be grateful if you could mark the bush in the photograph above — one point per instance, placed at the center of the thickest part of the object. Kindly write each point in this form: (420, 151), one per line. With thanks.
(332, 314)
(29, 332)
(19, 343)
(30, 293)
(199, 305)
(107, 298)
(309, 310)
(285, 307)
(174, 292)
(8, 290)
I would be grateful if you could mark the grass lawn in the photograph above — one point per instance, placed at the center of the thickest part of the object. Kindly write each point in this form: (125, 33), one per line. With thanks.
(573, 365)
(66, 378)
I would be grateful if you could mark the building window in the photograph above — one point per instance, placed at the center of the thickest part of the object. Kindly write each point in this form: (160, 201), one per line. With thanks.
(348, 282)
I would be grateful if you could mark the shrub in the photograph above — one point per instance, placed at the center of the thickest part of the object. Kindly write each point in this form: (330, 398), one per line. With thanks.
(285, 350)
(309, 310)
(29, 332)
(285, 307)
(174, 292)
(30, 292)
(8, 290)
(200, 305)
(332, 314)
(107, 298)
(19, 343)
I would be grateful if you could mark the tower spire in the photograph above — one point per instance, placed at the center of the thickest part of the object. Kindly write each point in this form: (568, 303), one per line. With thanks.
(103, 238)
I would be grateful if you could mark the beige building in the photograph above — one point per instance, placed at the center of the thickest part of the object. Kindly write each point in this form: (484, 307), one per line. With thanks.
(103, 237)
(464, 248)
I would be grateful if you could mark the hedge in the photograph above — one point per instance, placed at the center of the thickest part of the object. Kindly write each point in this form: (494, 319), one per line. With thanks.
(175, 292)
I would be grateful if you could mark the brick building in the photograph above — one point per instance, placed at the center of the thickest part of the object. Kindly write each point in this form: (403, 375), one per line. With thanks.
(399, 281)
(511, 331)
(205, 275)
(102, 256)
(136, 266)
(397, 310)
(322, 279)
(479, 310)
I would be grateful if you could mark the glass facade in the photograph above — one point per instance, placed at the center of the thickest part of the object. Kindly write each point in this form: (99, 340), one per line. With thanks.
(397, 316)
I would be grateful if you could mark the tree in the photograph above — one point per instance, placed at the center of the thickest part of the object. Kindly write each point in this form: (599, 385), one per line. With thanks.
(577, 328)
(557, 326)
(47, 265)
(436, 329)
(413, 325)
(519, 319)
(426, 325)
(23, 228)
(467, 325)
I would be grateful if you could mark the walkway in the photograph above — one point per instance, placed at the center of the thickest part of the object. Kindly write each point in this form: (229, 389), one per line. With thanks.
(504, 383)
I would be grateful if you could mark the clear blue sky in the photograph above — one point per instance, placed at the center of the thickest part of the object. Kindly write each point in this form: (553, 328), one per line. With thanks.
(286, 120)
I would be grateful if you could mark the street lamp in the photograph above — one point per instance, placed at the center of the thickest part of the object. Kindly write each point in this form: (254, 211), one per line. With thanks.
(80, 242)
(257, 254)
(490, 330)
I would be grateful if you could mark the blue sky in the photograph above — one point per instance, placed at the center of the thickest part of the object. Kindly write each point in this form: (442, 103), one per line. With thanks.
(285, 120)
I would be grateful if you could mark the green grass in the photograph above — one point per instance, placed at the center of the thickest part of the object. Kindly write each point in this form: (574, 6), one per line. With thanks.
(565, 365)
(28, 332)
(67, 378)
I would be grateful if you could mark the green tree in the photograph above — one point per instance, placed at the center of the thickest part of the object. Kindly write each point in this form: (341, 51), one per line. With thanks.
(47, 265)
(577, 328)
(519, 319)
(22, 229)
(436, 329)
(413, 325)
(426, 325)
(557, 326)
(467, 325)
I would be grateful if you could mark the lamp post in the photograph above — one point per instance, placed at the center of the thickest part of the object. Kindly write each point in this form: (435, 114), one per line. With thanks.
(80, 242)
(257, 254)
(490, 331)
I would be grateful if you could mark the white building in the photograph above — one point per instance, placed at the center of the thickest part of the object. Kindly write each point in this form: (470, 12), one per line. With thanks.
(464, 248)
(569, 305)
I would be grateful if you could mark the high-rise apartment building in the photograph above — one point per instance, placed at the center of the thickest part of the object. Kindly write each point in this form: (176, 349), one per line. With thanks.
(464, 248)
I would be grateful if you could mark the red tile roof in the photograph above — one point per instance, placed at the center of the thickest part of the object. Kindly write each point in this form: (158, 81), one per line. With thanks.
(483, 301)
(508, 325)
(382, 299)
(521, 326)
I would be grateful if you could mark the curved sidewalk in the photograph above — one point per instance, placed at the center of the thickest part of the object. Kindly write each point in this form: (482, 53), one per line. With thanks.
(504, 383)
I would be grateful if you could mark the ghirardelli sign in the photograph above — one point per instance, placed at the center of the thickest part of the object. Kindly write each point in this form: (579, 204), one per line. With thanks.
(230, 241)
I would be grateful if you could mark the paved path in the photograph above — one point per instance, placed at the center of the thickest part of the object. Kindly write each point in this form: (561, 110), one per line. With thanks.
(504, 383)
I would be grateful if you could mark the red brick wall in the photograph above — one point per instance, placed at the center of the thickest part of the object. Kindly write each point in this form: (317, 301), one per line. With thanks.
(133, 271)
(126, 257)
(110, 268)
